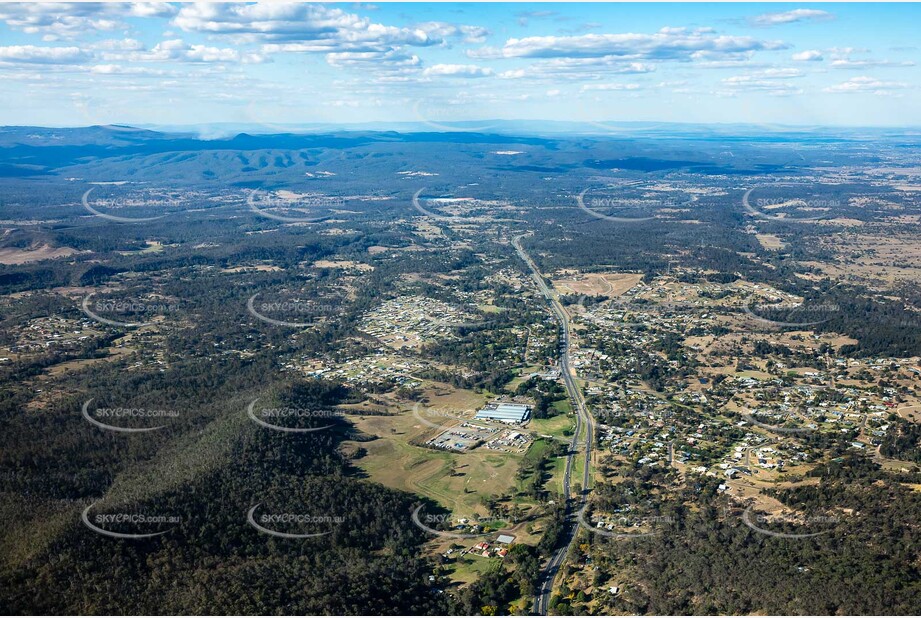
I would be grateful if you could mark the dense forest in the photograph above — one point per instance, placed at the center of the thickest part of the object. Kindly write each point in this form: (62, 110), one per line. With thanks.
(705, 560)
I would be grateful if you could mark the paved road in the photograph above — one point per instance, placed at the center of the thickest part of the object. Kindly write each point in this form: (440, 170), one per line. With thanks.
(583, 419)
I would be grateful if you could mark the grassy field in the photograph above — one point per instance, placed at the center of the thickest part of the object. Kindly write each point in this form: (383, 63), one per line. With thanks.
(467, 569)
(563, 406)
(522, 377)
(153, 246)
(454, 480)
(578, 466)
(557, 470)
(556, 426)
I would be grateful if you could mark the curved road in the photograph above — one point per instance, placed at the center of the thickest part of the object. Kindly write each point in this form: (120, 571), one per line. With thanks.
(542, 602)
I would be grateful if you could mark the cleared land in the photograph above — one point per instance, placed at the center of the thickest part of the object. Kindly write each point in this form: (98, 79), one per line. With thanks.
(609, 285)
(454, 480)
(14, 256)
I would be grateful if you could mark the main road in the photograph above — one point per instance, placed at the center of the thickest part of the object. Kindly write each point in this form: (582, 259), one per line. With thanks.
(583, 418)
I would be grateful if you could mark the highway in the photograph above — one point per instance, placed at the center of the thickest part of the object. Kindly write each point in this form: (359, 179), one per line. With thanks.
(583, 419)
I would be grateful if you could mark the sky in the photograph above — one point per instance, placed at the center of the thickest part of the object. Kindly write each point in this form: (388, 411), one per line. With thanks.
(77, 64)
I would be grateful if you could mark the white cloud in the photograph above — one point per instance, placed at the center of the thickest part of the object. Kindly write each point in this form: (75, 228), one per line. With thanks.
(589, 87)
(847, 63)
(669, 44)
(151, 9)
(457, 70)
(607, 64)
(118, 45)
(372, 58)
(765, 82)
(444, 30)
(579, 69)
(203, 53)
(116, 69)
(31, 54)
(313, 28)
(843, 52)
(173, 50)
(742, 62)
(789, 17)
(68, 20)
(776, 73)
(866, 85)
(809, 55)
(513, 74)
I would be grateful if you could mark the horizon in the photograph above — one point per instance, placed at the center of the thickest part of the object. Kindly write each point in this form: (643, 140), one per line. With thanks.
(599, 127)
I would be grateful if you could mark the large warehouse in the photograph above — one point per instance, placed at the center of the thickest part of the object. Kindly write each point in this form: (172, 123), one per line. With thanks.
(505, 412)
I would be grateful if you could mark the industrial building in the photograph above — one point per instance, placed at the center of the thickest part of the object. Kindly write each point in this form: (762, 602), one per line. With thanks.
(505, 412)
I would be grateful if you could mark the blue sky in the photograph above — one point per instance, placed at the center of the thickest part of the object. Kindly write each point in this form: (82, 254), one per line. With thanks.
(160, 63)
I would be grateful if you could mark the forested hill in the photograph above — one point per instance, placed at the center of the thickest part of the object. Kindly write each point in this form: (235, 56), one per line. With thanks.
(212, 560)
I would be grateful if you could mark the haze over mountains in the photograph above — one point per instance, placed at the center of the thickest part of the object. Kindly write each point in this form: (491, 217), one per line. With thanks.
(123, 153)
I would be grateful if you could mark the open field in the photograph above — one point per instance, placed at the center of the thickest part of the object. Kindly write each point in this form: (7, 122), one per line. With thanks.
(454, 480)
(610, 285)
(556, 426)
(522, 377)
(879, 259)
(770, 241)
(13, 256)
(343, 265)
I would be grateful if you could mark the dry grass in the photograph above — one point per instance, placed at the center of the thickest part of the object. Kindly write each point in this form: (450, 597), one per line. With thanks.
(610, 285)
(13, 256)
(343, 264)
(770, 241)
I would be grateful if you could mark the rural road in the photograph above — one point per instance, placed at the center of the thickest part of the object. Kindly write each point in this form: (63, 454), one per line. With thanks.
(542, 601)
